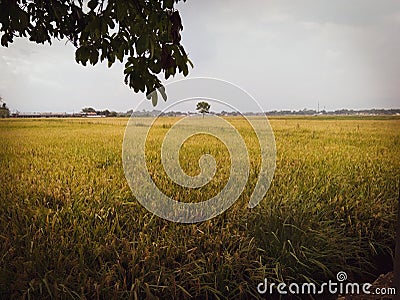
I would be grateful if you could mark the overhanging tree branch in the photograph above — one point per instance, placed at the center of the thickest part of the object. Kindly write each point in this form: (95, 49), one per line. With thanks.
(143, 34)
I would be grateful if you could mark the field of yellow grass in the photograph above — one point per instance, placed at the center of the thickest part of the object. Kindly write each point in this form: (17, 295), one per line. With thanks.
(71, 228)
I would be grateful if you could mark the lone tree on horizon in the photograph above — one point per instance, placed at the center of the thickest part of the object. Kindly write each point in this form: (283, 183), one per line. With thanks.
(203, 107)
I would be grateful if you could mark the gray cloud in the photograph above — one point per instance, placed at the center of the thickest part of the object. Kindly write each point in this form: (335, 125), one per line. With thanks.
(288, 54)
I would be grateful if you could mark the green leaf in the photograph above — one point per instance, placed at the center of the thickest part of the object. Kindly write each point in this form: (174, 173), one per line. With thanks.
(161, 89)
(151, 48)
(139, 83)
(185, 70)
(94, 56)
(154, 98)
(141, 44)
(120, 54)
(128, 70)
(82, 55)
(4, 40)
(155, 67)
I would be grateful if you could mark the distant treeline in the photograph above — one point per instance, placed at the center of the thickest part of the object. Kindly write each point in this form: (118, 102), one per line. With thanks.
(91, 112)
(304, 112)
(346, 112)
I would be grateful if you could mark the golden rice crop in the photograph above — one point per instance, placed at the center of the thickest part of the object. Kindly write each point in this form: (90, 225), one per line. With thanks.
(71, 228)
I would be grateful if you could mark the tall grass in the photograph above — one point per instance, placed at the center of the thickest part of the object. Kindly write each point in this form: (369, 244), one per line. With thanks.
(70, 227)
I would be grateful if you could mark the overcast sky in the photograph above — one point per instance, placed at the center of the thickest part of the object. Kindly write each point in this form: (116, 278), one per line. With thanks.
(287, 54)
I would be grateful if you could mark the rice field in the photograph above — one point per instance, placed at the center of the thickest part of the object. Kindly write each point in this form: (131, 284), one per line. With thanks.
(72, 229)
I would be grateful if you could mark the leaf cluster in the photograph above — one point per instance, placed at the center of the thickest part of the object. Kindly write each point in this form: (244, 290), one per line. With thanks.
(145, 35)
